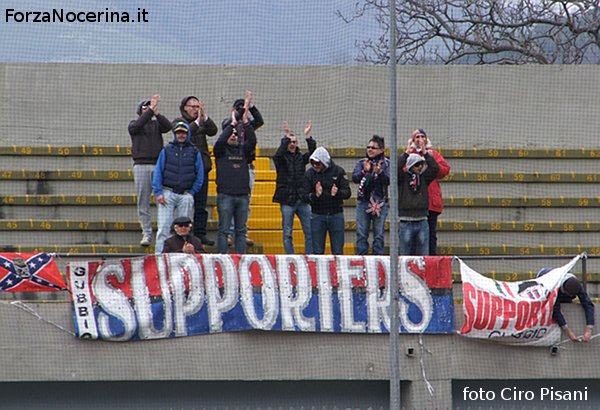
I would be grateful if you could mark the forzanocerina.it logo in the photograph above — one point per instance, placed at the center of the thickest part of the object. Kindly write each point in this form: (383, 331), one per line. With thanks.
(75, 16)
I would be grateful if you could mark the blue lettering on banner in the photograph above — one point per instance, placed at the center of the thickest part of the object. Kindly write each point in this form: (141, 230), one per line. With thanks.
(175, 295)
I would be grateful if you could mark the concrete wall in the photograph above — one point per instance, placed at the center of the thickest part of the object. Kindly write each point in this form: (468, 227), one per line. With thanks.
(34, 350)
(460, 106)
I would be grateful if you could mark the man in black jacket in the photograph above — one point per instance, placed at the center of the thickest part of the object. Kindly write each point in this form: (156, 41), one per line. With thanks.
(290, 165)
(325, 187)
(182, 240)
(569, 289)
(201, 125)
(256, 121)
(413, 201)
(234, 145)
(146, 143)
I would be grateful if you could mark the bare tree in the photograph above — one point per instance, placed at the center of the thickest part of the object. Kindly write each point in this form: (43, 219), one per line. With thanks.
(483, 31)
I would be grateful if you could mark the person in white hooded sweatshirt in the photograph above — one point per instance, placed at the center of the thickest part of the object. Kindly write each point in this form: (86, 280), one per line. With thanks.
(325, 188)
(413, 201)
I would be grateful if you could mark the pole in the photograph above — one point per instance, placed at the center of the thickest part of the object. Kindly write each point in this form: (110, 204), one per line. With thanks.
(393, 212)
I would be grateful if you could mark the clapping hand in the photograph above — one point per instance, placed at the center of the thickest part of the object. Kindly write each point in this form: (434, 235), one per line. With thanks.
(307, 129)
(318, 189)
(154, 103)
(334, 190)
(286, 128)
(188, 248)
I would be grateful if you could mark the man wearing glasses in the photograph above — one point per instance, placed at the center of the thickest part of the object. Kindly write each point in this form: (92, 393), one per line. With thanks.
(182, 239)
(146, 143)
(290, 165)
(372, 174)
(201, 125)
(325, 187)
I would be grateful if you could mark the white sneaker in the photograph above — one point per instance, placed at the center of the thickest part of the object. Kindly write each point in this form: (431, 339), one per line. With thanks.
(146, 240)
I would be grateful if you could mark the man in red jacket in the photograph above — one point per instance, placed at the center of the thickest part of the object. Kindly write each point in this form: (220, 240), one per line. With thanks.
(418, 144)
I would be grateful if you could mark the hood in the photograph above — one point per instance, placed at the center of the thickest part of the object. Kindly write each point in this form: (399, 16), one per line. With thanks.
(138, 109)
(183, 103)
(412, 160)
(321, 155)
(181, 124)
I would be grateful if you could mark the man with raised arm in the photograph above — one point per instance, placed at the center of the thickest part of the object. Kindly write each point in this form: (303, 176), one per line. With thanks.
(146, 143)
(232, 149)
(290, 164)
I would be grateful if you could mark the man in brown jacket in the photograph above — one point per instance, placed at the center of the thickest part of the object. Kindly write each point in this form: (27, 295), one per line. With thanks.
(194, 114)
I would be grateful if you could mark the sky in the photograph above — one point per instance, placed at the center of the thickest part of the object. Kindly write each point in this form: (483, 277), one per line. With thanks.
(184, 32)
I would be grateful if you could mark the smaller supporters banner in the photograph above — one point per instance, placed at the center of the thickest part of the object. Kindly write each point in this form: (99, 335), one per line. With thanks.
(518, 313)
(174, 295)
(30, 272)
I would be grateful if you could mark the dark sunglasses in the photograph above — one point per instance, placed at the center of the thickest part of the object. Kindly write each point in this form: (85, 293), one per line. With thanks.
(372, 147)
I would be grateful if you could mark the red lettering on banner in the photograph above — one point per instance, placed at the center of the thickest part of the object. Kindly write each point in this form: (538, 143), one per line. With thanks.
(522, 315)
(551, 301)
(496, 311)
(469, 294)
(483, 310)
(535, 308)
(510, 312)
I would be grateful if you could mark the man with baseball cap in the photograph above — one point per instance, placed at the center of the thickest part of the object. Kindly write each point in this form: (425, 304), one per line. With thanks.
(182, 239)
(178, 176)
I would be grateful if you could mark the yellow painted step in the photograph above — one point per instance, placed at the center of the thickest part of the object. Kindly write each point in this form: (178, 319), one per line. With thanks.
(299, 249)
(271, 223)
(273, 237)
(264, 211)
(258, 200)
(260, 188)
(261, 175)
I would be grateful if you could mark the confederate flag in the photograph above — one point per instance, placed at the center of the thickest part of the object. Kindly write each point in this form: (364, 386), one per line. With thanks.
(29, 272)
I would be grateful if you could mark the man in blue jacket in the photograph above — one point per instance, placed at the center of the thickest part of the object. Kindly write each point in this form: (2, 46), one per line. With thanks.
(178, 176)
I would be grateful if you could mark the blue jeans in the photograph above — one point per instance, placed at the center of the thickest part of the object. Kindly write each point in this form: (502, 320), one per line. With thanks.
(252, 179)
(176, 205)
(363, 226)
(320, 225)
(236, 207)
(302, 209)
(414, 235)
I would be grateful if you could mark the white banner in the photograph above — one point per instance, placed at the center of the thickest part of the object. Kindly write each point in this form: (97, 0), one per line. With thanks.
(175, 295)
(518, 313)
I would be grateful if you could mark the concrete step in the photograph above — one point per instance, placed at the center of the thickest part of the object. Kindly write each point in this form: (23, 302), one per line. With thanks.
(92, 250)
(267, 188)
